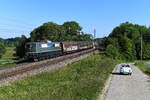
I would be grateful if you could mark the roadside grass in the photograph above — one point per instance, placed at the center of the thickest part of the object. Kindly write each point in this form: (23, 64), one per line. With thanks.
(81, 80)
(144, 66)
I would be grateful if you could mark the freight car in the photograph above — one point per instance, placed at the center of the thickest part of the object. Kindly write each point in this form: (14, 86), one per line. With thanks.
(69, 47)
(43, 50)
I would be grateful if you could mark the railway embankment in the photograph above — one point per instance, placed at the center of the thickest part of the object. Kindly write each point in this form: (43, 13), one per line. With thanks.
(80, 80)
(20, 71)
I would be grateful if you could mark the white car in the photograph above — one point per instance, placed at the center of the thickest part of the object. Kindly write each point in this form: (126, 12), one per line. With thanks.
(125, 69)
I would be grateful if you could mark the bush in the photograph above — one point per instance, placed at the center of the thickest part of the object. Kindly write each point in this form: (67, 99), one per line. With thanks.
(20, 49)
(112, 52)
(2, 50)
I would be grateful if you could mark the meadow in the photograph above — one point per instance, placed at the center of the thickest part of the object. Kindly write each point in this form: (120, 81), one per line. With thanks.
(8, 57)
(81, 80)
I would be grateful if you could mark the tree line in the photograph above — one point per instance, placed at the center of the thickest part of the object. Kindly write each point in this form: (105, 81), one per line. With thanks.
(68, 31)
(124, 42)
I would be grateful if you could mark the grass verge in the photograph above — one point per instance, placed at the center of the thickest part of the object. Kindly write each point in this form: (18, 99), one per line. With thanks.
(82, 80)
(144, 66)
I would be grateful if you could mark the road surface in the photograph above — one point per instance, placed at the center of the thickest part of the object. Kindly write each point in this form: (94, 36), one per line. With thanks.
(126, 87)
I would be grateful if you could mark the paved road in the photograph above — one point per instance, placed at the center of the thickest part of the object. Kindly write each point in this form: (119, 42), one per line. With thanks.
(125, 87)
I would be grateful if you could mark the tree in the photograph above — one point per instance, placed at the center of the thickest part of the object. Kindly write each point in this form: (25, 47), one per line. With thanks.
(20, 49)
(146, 51)
(48, 31)
(126, 38)
(69, 31)
(72, 28)
(112, 52)
(127, 48)
(2, 50)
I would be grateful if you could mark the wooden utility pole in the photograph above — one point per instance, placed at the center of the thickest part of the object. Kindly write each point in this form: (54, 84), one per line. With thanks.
(94, 46)
(94, 34)
(141, 46)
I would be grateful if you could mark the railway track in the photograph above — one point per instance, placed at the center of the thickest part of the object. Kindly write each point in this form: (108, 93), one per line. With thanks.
(23, 68)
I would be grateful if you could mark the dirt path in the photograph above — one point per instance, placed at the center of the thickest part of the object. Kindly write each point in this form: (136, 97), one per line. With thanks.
(125, 87)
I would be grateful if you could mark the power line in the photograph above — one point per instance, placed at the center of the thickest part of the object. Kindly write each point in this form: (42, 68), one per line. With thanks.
(10, 24)
(7, 29)
(16, 21)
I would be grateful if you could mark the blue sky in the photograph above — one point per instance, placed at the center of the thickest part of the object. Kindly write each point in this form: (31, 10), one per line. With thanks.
(19, 17)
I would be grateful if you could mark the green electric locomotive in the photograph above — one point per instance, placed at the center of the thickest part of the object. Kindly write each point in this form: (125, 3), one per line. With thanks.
(41, 50)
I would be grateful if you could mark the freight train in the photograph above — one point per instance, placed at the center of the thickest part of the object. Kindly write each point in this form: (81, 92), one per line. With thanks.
(42, 50)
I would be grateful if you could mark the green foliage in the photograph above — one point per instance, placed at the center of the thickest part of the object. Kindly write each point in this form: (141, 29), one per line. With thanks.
(20, 49)
(112, 52)
(127, 48)
(8, 57)
(2, 50)
(146, 53)
(69, 31)
(72, 28)
(126, 38)
(48, 31)
(144, 66)
(82, 80)
(10, 42)
(9, 53)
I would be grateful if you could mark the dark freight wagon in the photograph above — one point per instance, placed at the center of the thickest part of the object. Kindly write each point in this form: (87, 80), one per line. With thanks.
(85, 45)
(76, 46)
(69, 47)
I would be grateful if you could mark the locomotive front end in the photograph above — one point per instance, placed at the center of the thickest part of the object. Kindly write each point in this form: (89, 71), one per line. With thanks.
(30, 50)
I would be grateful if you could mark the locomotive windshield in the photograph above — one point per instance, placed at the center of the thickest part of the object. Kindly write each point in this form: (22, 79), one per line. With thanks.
(30, 47)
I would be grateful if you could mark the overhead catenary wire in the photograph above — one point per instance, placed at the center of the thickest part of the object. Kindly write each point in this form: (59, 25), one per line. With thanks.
(12, 25)
(16, 21)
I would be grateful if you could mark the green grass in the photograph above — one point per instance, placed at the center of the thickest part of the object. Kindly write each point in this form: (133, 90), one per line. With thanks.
(144, 66)
(9, 54)
(82, 80)
(7, 57)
